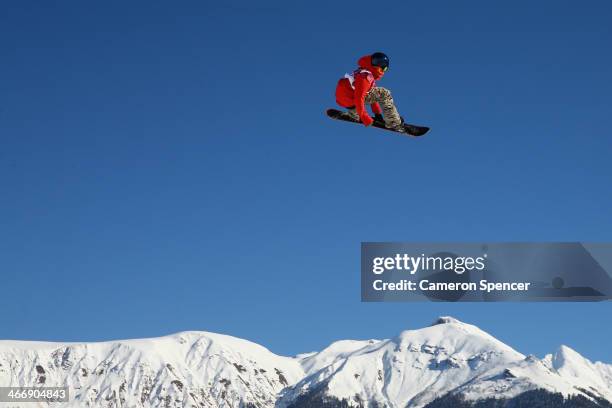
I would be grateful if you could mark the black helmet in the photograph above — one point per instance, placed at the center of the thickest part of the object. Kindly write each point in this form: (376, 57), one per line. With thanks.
(380, 60)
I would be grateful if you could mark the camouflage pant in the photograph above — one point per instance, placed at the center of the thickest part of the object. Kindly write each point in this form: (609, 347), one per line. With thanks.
(383, 97)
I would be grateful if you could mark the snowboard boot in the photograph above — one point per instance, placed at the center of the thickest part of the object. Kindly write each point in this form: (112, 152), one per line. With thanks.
(380, 119)
(352, 113)
(400, 127)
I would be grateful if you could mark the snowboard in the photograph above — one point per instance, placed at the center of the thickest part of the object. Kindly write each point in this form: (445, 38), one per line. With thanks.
(409, 130)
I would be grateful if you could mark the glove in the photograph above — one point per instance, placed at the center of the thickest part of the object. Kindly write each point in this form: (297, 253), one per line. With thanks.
(367, 120)
(378, 118)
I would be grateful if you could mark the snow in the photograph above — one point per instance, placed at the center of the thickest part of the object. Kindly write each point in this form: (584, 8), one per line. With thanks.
(209, 369)
(336, 351)
(582, 373)
(412, 368)
(219, 371)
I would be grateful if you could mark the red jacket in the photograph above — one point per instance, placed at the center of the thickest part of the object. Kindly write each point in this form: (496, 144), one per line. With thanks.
(353, 94)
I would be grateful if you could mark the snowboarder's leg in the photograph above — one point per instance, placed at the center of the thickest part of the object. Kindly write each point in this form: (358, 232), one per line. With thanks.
(390, 114)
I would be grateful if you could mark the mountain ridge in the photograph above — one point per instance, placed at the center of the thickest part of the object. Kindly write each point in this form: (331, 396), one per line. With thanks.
(448, 359)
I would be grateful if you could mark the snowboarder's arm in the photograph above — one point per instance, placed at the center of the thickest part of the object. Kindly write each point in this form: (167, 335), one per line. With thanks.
(362, 86)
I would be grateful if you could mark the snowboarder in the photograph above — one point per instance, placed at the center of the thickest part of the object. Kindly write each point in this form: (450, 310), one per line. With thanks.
(357, 89)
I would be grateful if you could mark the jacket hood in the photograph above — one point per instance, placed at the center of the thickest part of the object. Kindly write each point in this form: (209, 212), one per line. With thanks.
(365, 62)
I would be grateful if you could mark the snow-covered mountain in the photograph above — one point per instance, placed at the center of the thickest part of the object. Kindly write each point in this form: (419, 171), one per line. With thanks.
(190, 369)
(200, 369)
(448, 357)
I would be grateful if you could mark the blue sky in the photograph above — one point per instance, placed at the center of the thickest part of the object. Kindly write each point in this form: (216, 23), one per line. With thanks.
(168, 167)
